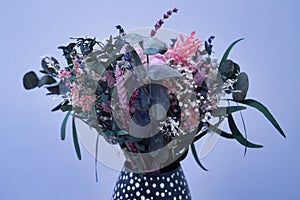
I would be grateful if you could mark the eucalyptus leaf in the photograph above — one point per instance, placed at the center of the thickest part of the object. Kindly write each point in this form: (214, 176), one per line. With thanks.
(65, 108)
(30, 80)
(160, 72)
(46, 80)
(238, 136)
(241, 87)
(63, 89)
(63, 126)
(75, 139)
(50, 65)
(53, 90)
(227, 69)
(96, 66)
(133, 38)
(153, 46)
(122, 133)
(194, 152)
(226, 54)
(135, 59)
(259, 106)
(222, 111)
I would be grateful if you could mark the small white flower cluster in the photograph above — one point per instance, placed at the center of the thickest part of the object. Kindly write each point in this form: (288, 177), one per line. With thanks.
(171, 127)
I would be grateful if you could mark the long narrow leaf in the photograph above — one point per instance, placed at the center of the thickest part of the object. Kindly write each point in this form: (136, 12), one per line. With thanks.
(75, 139)
(259, 106)
(226, 54)
(196, 157)
(238, 136)
(221, 111)
(63, 126)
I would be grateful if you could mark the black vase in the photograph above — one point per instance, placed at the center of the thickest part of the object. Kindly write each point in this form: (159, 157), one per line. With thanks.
(167, 185)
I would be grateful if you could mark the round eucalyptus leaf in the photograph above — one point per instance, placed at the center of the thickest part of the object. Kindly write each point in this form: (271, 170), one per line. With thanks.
(160, 72)
(241, 87)
(153, 46)
(46, 80)
(30, 80)
(227, 69)
(133, 38)
(50, 65)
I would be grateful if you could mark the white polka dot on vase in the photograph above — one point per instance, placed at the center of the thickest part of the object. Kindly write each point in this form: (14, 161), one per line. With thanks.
(146, 184)
(138, 193)
(143, 198)
(148, 191)
(157, 193)
(137, 185)
(162, 185)
(154, 185)
(162, 194)
(180, 197)
(174, 198)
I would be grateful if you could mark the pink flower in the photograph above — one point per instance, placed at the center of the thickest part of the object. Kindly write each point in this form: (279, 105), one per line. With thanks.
(110, 79)
(184, 48)
(158, 60)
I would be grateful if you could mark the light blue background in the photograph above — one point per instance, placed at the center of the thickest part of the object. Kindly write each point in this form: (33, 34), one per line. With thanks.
(35, 164)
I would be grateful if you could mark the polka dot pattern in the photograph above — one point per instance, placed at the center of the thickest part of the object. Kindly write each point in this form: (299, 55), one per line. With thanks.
(168, 186)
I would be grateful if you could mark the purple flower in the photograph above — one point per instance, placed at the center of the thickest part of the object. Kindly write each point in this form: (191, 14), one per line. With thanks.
(169, 12)
(160, 22)
(121, 30)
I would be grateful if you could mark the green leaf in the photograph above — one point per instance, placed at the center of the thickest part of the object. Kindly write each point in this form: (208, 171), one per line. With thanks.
(50, 65)
(227, 69)
(63, 126)
(30, 80)
(46, 80)
(96, 66)
(222, 111)
(133, 38)
(152, 46)
(194, 151)
(226, 54)
(160, 72)
(65, 108)
(238, 136)
(259, 106)
(75, 139)
(241, 87)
